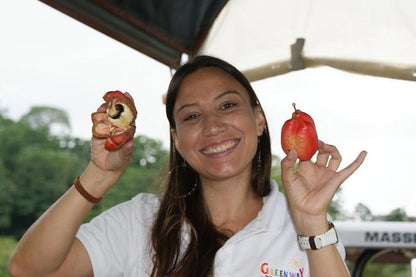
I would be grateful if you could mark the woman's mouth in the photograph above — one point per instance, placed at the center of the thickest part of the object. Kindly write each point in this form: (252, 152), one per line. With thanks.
(220, 148)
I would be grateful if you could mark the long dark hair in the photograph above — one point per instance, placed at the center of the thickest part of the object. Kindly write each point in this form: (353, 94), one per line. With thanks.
(175, 255)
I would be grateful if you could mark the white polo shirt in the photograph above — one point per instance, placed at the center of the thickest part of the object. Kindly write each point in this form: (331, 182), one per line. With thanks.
(118, 242)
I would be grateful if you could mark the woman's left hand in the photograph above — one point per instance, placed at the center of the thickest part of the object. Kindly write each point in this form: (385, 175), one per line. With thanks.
(311, 187)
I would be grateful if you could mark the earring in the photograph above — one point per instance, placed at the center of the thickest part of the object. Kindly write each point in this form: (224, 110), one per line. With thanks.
(181, 170)
(258, 165)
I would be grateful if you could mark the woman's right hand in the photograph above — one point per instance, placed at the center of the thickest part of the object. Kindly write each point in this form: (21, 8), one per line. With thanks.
(110, 160)
(105, 167)
(116, 161)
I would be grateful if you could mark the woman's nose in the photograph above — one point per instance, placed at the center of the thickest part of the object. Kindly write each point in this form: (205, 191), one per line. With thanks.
(213, 124)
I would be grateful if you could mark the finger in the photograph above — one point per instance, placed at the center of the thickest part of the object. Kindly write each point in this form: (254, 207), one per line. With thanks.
(349, 170)
(102, 108)
(335, 160)
(125, 152)
(128, 148)
(287, 165)
(96, 145)
(323, 156)
(97, 141)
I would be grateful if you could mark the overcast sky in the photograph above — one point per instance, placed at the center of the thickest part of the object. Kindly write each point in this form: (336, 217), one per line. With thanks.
(48, 58)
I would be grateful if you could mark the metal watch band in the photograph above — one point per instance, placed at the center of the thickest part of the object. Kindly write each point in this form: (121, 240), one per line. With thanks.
(319, 241)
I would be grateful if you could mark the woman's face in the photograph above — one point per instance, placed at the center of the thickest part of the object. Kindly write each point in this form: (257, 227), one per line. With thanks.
(216, 126)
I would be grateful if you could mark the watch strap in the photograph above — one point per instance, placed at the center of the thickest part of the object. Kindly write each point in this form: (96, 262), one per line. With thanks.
(319, 241)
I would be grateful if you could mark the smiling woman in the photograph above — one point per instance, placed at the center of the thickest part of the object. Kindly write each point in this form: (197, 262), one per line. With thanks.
(218, 198)
(216, 129)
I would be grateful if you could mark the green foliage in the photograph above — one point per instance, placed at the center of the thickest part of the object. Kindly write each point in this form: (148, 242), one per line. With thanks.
(144, 174)
(7, 246)
(6, 204)
(397, 215)
(383, 269)
(36, 167)
(387, 270)
(42, 176)
(363, 212)
(47, 118)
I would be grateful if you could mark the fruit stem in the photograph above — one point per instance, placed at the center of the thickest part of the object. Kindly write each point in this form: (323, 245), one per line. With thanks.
(294, 105)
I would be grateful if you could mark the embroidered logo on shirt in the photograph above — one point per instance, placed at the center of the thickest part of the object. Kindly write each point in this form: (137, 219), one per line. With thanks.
(268, 270)
(295, 263)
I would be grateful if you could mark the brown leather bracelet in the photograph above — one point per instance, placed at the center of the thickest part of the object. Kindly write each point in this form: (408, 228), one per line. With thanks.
(84, 193)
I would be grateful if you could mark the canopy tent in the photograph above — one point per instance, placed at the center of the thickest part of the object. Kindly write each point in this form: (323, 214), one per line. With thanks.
(161, 29)
(263, 38)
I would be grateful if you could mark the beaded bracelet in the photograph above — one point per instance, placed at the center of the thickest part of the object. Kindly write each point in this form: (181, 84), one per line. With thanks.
(84, 193)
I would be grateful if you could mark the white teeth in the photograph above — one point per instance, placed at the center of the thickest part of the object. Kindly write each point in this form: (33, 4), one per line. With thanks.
(220, 148)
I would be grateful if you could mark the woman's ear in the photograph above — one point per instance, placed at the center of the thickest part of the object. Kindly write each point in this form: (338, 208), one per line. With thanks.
(260, 120)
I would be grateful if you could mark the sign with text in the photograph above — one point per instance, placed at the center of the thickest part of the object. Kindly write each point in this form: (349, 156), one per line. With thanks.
(377, 234)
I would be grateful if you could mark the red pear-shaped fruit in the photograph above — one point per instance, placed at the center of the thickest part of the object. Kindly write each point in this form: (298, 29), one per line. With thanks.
(299, 133)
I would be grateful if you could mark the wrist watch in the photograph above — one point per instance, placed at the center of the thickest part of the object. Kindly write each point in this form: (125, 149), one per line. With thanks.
(320, 241)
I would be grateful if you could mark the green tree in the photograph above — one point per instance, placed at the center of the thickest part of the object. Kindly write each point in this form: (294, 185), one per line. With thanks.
(42, 177)
(34, 165)
(52, 120)
(144, 174)
(363, 212)
(6, 203)
(37, 167)
(398, 214)
(16, 135)
(7, 246)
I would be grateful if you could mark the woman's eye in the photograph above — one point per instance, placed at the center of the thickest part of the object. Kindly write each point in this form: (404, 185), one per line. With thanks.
(227, 105)
(191, 117)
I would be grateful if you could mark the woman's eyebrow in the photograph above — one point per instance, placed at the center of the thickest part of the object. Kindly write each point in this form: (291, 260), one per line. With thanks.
(226, 93)
(186, 106)
(215, 98)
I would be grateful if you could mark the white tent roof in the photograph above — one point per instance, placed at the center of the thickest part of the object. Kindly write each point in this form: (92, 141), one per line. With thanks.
(376, 37)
